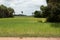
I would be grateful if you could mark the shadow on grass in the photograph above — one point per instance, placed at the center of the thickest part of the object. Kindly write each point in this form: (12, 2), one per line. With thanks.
(57, 25)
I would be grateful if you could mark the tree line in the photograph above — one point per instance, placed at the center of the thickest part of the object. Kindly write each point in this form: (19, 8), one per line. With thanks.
(6, 12)
(51, 11)
(43, 13)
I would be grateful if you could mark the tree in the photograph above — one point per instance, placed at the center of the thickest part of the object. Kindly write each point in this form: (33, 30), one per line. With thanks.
(3, 10)
(45, 11)
(11, 11)
(37, 14)
(6, 12)
(54, 6)
(22, 12)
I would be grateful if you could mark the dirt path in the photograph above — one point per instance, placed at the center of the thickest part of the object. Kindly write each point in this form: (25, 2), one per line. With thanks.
(27, 38)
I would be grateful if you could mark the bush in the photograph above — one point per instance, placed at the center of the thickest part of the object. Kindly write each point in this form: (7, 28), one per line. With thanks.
(53, 19)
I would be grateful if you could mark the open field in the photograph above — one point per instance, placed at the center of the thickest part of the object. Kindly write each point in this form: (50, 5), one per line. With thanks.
(28, 27)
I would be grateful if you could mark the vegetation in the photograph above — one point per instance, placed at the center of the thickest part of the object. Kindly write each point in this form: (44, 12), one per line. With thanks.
(37, 14)
(24, 26)
(28, 27)
(6, 12)
(51, 11)
(44, 13)
(54, 7)
(19, 15)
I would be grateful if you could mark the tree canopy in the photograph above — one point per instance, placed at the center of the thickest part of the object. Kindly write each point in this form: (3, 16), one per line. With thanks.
(6, 11)
(54, 6)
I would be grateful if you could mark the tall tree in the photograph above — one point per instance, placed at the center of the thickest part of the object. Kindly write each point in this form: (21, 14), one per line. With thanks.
(45, 11)
(6, 12)
(54, 6)
(11, 11)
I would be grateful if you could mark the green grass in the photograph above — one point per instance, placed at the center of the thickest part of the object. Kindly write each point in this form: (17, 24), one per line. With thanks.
(28, 27)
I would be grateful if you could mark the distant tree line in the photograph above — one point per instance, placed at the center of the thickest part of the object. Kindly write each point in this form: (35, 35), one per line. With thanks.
(51, 11)
(6, 12)
(19, 15)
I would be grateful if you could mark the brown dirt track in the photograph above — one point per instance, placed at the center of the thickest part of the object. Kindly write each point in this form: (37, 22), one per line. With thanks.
(27, 38)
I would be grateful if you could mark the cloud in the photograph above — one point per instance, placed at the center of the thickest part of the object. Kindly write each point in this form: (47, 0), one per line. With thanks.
(27, 6)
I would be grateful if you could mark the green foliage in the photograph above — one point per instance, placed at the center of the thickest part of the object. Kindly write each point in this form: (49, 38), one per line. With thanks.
(45, 11)
(37, 14)
(55, 11)
(56, 1)
(6, 12)
(11, 11)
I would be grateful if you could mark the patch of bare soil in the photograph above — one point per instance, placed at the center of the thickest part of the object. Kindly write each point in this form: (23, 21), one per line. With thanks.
(27, 38)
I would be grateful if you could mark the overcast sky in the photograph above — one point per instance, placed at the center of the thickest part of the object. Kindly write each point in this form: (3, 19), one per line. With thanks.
(27, 6)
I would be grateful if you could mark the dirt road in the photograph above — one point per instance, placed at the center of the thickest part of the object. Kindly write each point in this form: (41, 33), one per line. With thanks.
(27, 38)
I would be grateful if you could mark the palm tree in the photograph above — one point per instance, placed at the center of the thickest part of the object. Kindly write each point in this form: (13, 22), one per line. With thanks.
(22, 12)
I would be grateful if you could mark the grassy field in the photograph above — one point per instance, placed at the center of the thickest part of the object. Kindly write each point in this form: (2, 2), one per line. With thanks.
(28, 27)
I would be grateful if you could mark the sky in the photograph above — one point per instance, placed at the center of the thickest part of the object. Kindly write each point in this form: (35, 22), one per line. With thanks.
(27, 6)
